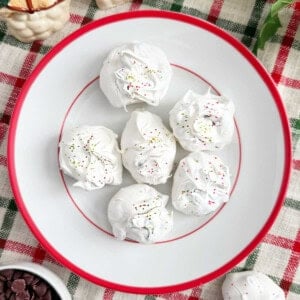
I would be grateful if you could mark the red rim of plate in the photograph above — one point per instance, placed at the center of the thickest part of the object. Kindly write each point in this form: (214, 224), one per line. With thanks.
(247, 55)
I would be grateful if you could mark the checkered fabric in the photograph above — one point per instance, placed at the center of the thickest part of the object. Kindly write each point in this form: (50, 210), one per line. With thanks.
(279, 253)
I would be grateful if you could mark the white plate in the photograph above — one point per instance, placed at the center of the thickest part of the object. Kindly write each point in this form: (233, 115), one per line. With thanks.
(71, 224)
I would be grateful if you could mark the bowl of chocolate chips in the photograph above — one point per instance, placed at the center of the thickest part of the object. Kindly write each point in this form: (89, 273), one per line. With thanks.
(30, 281)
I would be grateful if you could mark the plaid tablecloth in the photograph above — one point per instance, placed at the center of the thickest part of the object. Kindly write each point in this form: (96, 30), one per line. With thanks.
(279, 254)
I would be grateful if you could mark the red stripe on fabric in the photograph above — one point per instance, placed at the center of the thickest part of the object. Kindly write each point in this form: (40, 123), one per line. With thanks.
(296, 164)
(39, 254)
(85, 21)
(108, 294)
(23, 249)
(11, 80)
(289, 82)
(23, 75)
(285, 47)
(285, 285)
(279, 241)
(2, 243)
(174, 296)
(215, 10)
(296, 5)
(136, 4)
(16, 247)
(3, 131)
(196, 292)
(76, 19)
(3, 161)
(30, 59)
(5, 119)
(292, 265)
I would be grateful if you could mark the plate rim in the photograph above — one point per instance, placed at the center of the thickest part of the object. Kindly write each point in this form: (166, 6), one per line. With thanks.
(213, 29)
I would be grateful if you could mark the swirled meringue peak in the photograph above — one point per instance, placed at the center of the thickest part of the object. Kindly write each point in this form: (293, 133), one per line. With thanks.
(138, 212)
(148, 148)
(201, 184)
(250, 285)
(135, 72)
(90, 154)
(202, 122)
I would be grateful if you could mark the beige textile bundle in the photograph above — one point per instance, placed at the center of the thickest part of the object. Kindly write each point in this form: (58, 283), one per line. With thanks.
(31, 5)
(35, 19)
(30, 20)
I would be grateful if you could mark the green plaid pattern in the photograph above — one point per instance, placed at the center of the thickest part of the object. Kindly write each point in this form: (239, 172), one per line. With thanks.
(279, 254)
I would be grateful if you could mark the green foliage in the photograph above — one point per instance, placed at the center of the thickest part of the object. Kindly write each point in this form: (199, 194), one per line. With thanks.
(271, 24)
(3, 3)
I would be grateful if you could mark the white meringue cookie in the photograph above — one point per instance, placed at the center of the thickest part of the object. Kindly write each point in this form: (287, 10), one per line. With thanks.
(148, 148)
(135, 72)
(90, 154)
(202, 122)
(138, 212)
(250, 285)
(201, 184)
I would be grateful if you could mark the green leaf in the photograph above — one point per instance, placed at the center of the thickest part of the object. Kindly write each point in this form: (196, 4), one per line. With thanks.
(278, 5)
(3, 3)
(270, 25)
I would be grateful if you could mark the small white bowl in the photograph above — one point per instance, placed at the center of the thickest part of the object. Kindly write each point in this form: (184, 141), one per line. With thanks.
(48, 276)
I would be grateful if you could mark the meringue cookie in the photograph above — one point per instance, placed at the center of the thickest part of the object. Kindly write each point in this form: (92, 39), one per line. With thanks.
(138, 212)
(135, 72)
(250, 285)
(201, 184)
(202, 122)
(148, 148)
(90, 154)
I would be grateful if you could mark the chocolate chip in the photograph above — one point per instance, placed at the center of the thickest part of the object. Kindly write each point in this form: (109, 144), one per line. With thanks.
(47, 296)
(40, 289)
(18, 285)
(8, 284)
(24, 295)
(35, 281)
(8, 274)
(8, 293)
(28, 278)
(17, 275)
